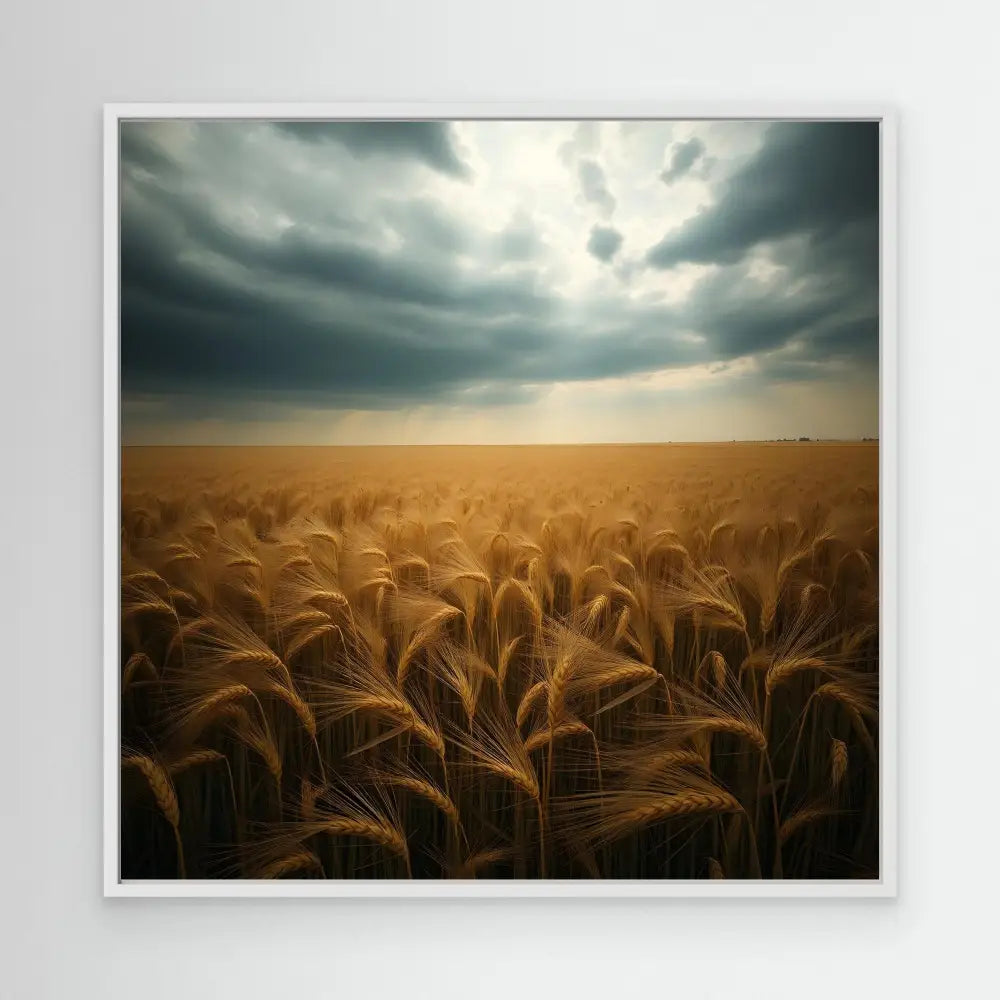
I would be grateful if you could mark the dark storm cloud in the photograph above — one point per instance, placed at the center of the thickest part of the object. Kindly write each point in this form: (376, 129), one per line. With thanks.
(683, 157)
(431, 143)
(740, 318)
(808, 178)
(594, 186)
(809, 198)
(248, 283)
(153, 249)
(604, 242)
(201, 338)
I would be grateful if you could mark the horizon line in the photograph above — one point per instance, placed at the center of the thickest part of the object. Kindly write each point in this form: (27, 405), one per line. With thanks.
(508, 444)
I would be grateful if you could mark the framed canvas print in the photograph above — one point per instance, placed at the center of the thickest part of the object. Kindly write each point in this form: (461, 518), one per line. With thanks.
(499, 500)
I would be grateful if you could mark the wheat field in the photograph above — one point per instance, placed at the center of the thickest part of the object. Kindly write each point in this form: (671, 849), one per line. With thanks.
(638, 661)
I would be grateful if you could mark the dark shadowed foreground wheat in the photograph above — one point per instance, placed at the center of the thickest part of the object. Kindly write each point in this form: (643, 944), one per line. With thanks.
(562, 662)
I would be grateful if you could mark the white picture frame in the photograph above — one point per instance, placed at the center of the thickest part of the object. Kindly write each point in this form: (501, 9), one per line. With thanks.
(885, 885)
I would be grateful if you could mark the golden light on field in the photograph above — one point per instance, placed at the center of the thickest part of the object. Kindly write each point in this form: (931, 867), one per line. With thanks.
(628, 661)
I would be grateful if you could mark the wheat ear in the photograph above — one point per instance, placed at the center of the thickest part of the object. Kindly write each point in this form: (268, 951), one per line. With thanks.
(166, 798)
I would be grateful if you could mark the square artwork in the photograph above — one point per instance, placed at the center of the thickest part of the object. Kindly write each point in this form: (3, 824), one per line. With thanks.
(499, 500)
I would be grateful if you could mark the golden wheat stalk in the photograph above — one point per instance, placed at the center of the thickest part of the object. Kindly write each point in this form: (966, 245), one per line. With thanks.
(291, 697)
(399, 709)
(712, 664)
(536, 693)
(475, 863)
(623, 812)
(848, 696)
(135, 663)
(164, 795)
(295, 863)
(196, 758)
(379, 830)
(640, 763)
(781, 671)
(424, 789)
(802, 818)
(506, 654)
(543, 737)
(838, 762)
(495, 745)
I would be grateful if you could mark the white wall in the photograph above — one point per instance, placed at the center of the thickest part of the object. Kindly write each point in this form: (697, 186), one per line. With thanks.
(59, 62)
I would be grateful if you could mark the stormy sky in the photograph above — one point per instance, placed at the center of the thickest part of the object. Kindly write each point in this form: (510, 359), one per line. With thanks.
(498, 282)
